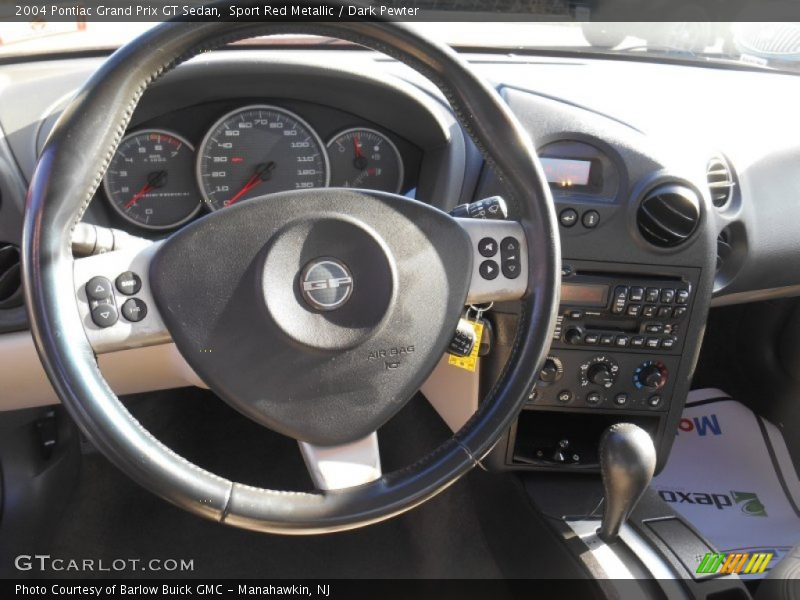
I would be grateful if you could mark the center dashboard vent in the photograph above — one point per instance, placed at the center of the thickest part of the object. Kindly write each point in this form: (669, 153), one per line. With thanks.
(668, 215)
(720, 181)
(10, 283)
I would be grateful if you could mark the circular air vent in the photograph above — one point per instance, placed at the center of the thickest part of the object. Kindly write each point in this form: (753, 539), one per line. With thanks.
(10, 285)
(668, 215)
(720, 181)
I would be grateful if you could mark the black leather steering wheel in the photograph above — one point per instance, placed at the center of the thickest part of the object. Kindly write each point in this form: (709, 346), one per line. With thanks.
(321, 376)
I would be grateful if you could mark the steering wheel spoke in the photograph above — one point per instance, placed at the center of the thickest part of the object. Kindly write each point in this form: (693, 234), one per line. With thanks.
(500, 260)
(115, 300)
(345, 465)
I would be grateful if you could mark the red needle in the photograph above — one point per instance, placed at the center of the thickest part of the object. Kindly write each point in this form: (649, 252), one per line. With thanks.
(148, 187)
(357, 147)
(263, 173)
(251, 183)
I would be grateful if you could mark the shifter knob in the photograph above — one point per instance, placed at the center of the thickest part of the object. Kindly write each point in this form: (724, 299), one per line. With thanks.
(627, 463)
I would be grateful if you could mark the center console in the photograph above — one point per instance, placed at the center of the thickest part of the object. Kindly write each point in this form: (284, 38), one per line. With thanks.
(638, 255)
(617, 346)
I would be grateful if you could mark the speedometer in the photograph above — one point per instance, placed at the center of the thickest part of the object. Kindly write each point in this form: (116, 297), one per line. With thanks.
(258, 150)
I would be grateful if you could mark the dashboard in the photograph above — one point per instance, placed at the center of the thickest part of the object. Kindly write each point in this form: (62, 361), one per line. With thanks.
(668, 201)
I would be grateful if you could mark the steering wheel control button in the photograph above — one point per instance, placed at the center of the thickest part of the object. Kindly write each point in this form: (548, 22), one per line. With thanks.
(105, 314)
(568, 217)
(511, 269)
(99, 288)
(134, 310)
(128, 283)
(564, 396)
(326, 284)
(590, 219)
(489, 269)
(487, 247)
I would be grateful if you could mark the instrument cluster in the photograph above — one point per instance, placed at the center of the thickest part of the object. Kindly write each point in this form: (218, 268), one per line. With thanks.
(158, 179)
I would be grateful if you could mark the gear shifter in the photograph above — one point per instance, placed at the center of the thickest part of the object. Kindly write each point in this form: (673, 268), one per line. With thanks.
(627, 462)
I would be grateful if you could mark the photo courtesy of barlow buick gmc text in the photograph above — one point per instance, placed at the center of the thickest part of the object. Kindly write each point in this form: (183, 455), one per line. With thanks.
(400, 299)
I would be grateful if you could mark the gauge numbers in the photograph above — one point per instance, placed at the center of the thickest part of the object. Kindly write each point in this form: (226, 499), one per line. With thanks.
(258, 150)
(365, 158)
(149, 180)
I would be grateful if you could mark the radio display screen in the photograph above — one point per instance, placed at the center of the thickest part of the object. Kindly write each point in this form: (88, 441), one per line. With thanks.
(584, 294)
(567, 172)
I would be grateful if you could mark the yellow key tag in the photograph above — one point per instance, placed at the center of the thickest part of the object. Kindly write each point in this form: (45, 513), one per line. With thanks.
(469, 362)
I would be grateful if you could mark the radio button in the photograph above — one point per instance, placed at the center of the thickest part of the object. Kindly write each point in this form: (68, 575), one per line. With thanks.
(678, 312)
(667, 296)
(573, 336)
(591, 338)
(682, 297)
(636, 294)
(653, 342)
(634, 310)
(649, 310)
(606, 340)
(652, 295)
(575, 314)
(654, 328)
(620, 296)
(664, 312)
(623, 341)
(668, 343)
(637, 341)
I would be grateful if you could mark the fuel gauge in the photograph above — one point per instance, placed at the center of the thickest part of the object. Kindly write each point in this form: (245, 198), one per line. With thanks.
(365, 158)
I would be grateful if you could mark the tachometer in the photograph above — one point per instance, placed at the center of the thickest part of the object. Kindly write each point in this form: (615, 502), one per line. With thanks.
(258, 150)
(149, 181)
(365, 158)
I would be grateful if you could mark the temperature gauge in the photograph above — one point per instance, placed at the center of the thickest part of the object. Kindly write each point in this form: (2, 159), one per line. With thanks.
(365, 158)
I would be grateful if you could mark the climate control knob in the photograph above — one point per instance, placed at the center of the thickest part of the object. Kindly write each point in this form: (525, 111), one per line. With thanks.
(650, 375)
(600, 374)
(600, 370)
(552, 370)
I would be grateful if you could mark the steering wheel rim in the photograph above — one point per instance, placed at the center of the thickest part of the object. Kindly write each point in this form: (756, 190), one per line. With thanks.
(64, 183)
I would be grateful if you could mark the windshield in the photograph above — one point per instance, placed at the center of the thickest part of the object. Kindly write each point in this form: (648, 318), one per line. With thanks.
(768, 45)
